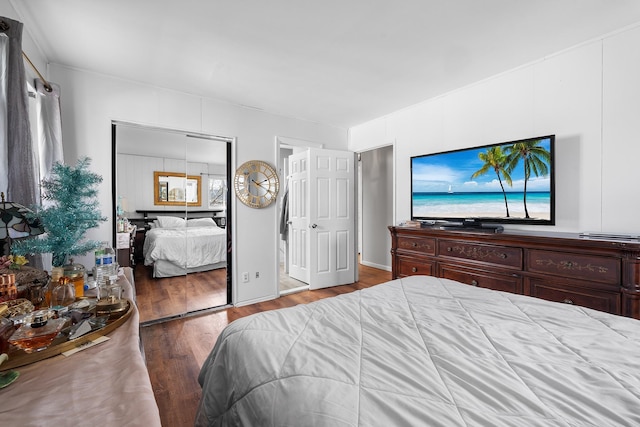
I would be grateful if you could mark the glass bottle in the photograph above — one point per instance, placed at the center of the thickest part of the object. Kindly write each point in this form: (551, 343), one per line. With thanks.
(77, 275)
(109, 258)
(63, 291)
(40, 294)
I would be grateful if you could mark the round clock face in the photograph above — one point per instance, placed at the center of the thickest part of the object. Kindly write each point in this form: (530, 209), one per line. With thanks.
(256, 184)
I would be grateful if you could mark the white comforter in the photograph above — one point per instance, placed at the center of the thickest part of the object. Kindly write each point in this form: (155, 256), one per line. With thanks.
(424, 351)
(187, 247)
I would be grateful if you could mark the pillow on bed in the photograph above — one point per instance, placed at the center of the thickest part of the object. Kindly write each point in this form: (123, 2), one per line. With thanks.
(171, 222)
(201, 222)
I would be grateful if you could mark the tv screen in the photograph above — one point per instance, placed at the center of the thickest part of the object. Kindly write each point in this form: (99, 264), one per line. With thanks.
(509, 182)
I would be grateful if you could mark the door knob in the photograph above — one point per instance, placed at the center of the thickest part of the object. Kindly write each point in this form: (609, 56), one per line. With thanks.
(313, 226)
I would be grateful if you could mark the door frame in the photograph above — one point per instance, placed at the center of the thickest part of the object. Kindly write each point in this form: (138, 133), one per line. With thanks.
(230, 208)
(363, 193)
(285, 142)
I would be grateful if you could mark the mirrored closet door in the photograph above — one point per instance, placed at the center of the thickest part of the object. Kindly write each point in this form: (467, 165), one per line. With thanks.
(171, 200)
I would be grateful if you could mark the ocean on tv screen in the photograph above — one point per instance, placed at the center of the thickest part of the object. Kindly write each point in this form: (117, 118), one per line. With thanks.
(481, 205)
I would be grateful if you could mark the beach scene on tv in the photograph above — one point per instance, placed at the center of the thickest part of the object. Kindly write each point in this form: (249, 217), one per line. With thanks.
(500, 181)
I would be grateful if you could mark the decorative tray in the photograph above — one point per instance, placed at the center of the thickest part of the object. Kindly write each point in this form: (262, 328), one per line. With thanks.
(61, 343)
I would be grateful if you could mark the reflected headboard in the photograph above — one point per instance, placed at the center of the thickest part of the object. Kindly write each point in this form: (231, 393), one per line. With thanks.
(148, 216)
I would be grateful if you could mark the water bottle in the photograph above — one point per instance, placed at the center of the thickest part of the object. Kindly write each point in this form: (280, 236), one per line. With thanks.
(99, 253)
(108, 257)
(98, 263)
(104, 257)
(107, 270)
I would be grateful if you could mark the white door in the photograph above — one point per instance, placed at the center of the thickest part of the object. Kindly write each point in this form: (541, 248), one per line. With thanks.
(323, 217)
(298, 235)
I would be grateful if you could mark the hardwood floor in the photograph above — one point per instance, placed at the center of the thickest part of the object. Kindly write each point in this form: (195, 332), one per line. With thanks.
(171, 296)
(176, 350)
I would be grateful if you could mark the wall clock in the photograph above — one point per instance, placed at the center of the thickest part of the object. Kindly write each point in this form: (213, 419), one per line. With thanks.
(256, 184)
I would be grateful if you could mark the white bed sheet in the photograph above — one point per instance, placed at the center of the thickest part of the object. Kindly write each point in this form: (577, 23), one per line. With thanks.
(186, 247)
(425, 351)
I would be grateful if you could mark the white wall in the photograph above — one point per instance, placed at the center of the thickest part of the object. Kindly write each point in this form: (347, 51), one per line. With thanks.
(587, 96)
(136, 186)
(91, 101)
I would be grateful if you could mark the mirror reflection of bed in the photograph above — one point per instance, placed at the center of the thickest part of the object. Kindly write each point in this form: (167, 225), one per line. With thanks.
(177, 248)
(181, 252)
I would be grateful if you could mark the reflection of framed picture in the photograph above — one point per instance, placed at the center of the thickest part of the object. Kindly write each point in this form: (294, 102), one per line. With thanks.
(176, 189)
(163, 191)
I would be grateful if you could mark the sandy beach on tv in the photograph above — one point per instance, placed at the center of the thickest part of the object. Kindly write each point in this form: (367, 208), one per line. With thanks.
(543, 216)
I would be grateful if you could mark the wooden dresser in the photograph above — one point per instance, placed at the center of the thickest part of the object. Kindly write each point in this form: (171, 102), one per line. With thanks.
(599, 274)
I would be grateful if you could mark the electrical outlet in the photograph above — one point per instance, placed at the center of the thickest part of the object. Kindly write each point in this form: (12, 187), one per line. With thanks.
(245, 277)
(257, 274)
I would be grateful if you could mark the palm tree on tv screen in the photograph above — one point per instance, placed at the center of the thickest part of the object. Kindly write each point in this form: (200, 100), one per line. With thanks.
(535, 159)
(495, 159)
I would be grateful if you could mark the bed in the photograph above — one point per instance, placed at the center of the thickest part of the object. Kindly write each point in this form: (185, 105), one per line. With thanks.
(174, 245)
(424, 351)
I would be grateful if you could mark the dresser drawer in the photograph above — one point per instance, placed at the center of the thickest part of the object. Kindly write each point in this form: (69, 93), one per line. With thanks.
(423, 245)
(504, 256)
(594, 268)
(410, 266)
(578, 295)
(505, 283)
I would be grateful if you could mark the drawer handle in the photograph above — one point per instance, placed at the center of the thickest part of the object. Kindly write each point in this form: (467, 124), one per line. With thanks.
(414, 244)
(449, 249)
(474, 283)
(414, 269)
(503, 256)
(567, 301)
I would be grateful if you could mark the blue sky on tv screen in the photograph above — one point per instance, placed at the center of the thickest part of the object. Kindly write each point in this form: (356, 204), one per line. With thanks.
(452, 172)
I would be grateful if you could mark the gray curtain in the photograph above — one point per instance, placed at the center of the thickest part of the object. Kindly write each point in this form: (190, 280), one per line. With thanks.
(22, 186)
(19, 155)
(4, 149)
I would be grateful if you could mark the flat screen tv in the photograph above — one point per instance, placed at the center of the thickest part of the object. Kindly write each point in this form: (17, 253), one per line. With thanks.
(505, 183)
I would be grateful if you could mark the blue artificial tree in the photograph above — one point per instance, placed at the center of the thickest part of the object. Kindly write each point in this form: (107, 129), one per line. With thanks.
(71, 211)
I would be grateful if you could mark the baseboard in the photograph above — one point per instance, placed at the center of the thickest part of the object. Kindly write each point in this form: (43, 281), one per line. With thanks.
(374, 265)
(294, 290)
(255, 301)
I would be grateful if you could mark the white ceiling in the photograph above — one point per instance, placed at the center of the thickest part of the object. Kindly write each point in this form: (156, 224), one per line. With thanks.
(338, 62)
